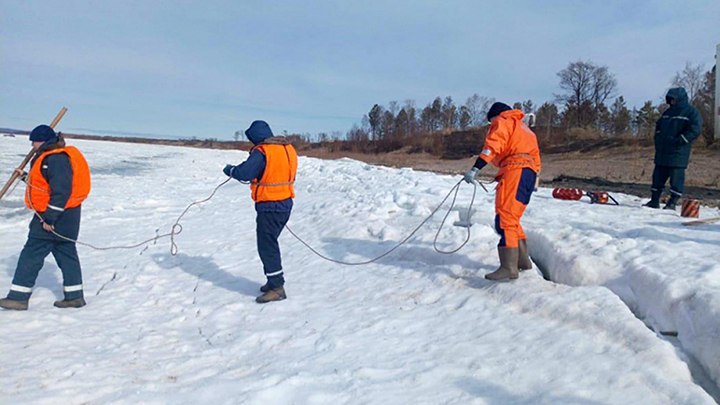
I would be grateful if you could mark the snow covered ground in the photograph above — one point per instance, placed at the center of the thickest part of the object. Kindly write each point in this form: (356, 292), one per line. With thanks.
(417, 327)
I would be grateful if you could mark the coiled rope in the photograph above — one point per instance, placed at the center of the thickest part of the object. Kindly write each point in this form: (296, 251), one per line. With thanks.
(455, 188)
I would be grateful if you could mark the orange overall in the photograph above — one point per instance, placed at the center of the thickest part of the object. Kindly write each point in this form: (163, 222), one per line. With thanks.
(512, 146)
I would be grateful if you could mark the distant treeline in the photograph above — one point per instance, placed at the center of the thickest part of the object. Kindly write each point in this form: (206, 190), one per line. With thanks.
(588, 107)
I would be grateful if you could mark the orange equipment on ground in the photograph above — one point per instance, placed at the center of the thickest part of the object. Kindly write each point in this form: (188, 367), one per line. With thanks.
(690, 208)
(575, 194)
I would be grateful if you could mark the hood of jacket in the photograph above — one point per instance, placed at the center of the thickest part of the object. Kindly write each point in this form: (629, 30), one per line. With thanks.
(514, 114)
(258, 132)
(679, 94)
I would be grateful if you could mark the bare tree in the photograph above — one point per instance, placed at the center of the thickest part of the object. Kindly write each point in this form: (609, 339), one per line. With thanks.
(586, 87)
(604, 85)
(465, 118)
(692, 78)
(477, 107)
(584, 81)
(393, 107)
(411, 112)
(576, 81)
(237, 135)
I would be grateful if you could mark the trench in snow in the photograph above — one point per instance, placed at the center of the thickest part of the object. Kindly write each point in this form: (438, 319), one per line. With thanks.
(541, 252)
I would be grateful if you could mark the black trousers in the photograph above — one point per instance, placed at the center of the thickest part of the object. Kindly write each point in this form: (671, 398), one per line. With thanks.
(269, 227)
(661, 174)
(31, 261)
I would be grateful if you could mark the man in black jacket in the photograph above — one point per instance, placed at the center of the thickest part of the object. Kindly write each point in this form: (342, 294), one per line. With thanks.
(675, 131)
(60, 214)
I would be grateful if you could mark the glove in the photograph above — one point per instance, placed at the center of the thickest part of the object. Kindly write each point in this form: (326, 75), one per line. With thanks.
(470, 175)
(228, 170)
(22, 175)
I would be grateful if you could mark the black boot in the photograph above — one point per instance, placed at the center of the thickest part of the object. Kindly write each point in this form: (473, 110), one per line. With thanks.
(76, 303)
(275, 294)
(655, 200)
(13, 304)
(672, 202)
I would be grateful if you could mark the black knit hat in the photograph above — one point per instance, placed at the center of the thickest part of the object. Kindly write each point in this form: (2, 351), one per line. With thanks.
(496, 109)
(43, 133)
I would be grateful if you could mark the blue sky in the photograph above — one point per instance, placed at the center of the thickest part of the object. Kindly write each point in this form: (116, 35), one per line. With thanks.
(207, 69)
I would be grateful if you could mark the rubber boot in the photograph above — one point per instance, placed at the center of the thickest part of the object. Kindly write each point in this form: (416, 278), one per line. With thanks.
(654, 200)
(13, 304)
(265, 288)
(76, 303)
(672, 202)
(276, 294)
(508, 265)
(524, 262)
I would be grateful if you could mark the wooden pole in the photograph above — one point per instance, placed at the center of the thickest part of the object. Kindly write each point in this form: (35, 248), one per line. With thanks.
(29, 157)
(58, 118)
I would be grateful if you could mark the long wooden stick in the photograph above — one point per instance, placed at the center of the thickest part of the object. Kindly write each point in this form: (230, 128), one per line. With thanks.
(702, 221)
(29, 157)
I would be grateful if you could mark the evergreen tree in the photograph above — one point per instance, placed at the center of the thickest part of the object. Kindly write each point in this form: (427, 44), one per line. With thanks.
(620, 117)
(528, 106)
(645, 120)
(375, 119)
(547, 118)
(449, 114)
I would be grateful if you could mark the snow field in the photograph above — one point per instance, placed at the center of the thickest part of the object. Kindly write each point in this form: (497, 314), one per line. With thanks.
(667, 274)
(417, 327)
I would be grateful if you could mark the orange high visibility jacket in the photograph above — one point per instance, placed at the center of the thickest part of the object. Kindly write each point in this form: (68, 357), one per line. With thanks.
(510, 144)
(277, 181)
(37, 193)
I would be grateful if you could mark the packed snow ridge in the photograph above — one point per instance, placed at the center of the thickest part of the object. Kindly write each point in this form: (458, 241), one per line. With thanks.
(417, 327)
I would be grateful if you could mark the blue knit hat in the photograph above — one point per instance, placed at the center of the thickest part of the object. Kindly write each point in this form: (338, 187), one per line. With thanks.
(43, 133)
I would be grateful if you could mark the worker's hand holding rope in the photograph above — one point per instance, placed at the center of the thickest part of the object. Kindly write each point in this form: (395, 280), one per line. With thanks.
(471, 175)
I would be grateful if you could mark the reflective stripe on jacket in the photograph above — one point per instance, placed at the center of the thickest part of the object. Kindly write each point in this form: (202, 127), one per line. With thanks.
(37, 193)
(277, 182)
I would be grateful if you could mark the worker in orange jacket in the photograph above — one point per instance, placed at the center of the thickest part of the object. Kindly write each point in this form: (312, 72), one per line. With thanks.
(270, 169)
(57, 185)
(511, 146)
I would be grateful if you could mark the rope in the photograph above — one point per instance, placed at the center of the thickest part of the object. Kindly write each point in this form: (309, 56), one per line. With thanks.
(176, 229)
(455, 188)
(13, 189)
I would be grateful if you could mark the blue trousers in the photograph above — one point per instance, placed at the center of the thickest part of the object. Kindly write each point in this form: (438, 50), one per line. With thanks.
(661, 174)
(269, 227)
(31, 261)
